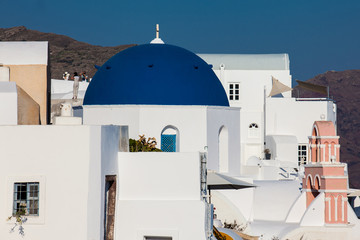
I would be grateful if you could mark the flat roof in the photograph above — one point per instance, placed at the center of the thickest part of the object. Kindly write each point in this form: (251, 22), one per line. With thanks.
(248, 61)
(24, 53)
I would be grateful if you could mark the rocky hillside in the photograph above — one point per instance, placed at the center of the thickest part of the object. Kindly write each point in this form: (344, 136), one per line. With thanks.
(345, 90)
(66, 54)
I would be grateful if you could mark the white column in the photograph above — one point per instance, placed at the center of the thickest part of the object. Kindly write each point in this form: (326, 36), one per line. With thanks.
(328, 200)
(323, 155)
(318, 152)
(336, 212)
(336, 148)
(222, 76)
(330, 152)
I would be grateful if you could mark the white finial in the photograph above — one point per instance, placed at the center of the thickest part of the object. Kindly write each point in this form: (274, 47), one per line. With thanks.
(157, 40)
(157, 30)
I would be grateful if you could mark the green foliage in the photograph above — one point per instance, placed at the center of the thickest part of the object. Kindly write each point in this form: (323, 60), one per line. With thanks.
(19, 219)
(143, 144)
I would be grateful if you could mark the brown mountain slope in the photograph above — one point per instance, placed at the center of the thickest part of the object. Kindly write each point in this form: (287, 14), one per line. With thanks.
(66, 54)
(345, 90)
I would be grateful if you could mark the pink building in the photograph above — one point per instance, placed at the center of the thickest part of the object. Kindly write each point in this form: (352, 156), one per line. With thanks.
(325, 173)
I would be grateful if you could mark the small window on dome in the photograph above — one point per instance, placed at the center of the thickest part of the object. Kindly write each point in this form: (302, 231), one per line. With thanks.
(234, 91)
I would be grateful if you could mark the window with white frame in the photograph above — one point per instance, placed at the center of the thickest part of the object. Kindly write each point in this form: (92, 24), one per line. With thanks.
(254, 131)
(302, 154)
(26, 199)
(234, 91)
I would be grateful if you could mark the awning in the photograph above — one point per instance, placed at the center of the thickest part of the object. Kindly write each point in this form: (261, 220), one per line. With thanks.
(354, 193)
(278, 87)
(313, 87)
(220, 181)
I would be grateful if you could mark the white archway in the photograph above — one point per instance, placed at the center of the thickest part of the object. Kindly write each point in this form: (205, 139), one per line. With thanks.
(223, 149)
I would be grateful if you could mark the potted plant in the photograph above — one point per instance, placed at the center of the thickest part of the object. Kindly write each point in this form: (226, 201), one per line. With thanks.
(267, 154)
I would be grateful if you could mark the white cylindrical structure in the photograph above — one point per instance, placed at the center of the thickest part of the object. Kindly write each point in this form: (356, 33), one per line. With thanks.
(66, 110)
(4, 74)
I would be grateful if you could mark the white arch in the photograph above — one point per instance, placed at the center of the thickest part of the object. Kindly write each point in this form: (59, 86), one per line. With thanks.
(316, 129)
(223, 149)
(311, 180)
(317, 176)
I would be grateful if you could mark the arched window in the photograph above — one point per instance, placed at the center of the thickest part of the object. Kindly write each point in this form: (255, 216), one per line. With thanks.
(254, 131)
(223, 149)
(317, 182)
(170, 139)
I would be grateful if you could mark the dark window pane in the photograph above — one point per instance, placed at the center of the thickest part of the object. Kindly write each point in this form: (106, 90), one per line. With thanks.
(237, 86)
(231, 97)
(22, 195)
(236, 91)
(231, 86)
(231, 91)
(26, 198)
(236, 97)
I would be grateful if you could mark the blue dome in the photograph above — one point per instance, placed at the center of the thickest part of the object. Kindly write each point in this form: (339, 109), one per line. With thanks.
(155, 74)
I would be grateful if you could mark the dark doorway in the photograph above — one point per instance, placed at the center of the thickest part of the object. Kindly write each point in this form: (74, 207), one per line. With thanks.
(110, 202)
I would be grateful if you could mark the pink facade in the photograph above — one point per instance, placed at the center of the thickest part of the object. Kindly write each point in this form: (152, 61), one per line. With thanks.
(325, 173)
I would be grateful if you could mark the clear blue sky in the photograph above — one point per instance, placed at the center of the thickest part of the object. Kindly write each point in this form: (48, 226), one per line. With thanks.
(319, 35)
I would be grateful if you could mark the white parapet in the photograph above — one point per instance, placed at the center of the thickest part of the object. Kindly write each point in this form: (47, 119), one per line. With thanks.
(67, 120)
(8, 103)
(4, 74)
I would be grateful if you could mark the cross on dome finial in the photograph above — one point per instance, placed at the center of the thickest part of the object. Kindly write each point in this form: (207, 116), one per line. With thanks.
(157, 40)
(157, 30)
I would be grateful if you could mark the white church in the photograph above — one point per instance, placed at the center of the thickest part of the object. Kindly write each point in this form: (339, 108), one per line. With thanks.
(224, 115)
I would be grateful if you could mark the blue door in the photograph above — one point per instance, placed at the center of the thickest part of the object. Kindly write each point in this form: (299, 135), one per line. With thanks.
(168, 143)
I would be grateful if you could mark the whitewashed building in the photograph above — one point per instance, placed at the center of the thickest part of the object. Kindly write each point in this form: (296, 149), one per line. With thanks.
(76, 179)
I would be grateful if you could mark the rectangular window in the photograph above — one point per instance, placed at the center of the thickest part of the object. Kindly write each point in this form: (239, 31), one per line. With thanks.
(302, 154)
(234, 91)
(26, 199)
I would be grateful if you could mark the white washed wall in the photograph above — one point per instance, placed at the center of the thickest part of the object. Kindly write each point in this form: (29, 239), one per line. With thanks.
(159, 195)
(8, 103)
(291, 117)
(66, 160)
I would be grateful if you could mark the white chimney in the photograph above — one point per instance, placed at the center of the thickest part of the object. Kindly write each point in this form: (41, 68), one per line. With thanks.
(4, 74)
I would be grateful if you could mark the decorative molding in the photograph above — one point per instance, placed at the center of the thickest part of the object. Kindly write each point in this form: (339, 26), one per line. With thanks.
(322, 137)
(334, 177)
(325, 191)
(325, 164)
